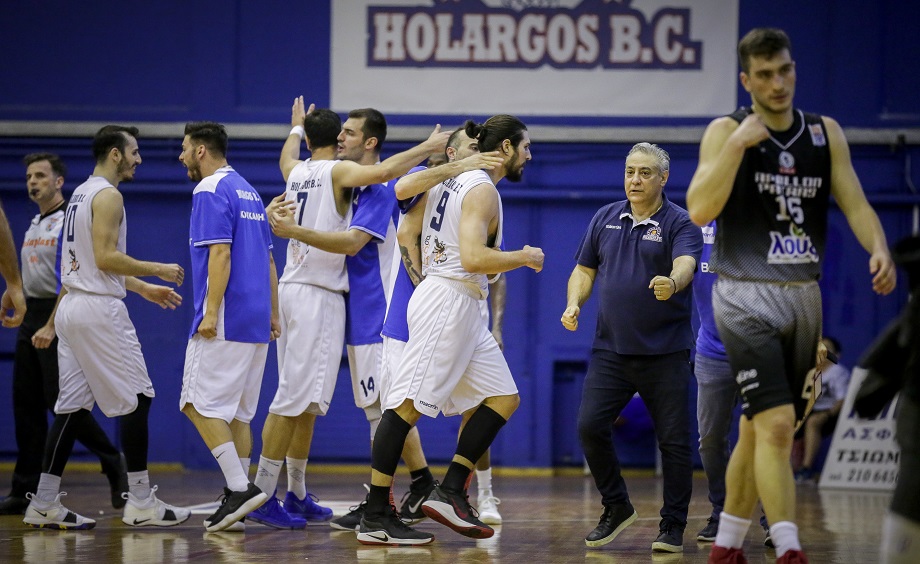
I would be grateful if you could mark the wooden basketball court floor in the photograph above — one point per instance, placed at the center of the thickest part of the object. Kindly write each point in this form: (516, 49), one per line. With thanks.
(545, 520)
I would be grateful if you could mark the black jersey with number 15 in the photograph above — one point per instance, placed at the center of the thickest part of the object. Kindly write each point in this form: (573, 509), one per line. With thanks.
(774, 225)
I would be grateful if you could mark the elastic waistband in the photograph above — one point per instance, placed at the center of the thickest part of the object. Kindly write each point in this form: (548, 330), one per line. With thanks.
(778, 283)
(465, 288)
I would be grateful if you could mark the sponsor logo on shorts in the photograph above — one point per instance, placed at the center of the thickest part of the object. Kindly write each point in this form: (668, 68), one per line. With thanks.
(428, 405)
(745, 375)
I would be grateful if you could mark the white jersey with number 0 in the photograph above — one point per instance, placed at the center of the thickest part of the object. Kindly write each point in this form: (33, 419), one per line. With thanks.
(78, 261)
(310, 185)
(441, 229)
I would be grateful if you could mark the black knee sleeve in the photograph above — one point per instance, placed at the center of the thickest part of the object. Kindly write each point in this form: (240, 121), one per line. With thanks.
(388, 442)
(134, 435)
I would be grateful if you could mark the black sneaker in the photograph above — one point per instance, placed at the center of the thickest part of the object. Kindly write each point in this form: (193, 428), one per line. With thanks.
(708, 534)
(351, 521)
(614, 519)
(13, 505)
(411, 509)
(454, 510)
(768, 540)
(388, 529)
(234, 506)
(670, 538)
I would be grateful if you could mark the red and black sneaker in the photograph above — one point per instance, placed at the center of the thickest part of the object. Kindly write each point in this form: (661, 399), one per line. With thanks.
(453, 509)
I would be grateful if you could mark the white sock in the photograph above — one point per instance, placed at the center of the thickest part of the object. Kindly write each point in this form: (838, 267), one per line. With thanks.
(732, 531)
(296, 471)
(139, 484)
(900, 540)
(49, 486)
(245, 463)
(229, 462)
(484, 482)
(267, 474)
(785, 535)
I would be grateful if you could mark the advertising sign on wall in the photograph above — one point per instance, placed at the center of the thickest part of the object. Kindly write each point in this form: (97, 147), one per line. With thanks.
(536, 57)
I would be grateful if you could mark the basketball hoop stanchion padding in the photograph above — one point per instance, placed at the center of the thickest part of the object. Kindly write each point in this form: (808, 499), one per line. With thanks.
(863, 454)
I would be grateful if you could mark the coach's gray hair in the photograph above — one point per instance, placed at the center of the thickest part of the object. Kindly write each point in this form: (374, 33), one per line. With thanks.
(661, 156)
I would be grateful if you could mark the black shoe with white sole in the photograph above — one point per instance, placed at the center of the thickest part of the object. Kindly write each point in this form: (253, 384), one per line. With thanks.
(387, 529)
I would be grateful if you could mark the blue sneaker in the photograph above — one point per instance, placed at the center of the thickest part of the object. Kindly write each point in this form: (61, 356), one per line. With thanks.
(273, 514)
(307, 508)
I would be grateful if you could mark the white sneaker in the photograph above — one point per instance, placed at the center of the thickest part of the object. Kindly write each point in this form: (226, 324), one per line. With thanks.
(488, 510)
(152, 512)
(53, 515)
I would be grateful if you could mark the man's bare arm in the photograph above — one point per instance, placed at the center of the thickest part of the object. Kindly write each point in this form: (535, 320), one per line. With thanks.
(863, 220)
(581, 282)
(424, 180)
(108, 213)
(347, 174)
(409, 238)
(480, 207)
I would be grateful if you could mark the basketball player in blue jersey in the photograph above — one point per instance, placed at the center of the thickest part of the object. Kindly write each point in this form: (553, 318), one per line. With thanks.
(236, 315)
(765, 174)
(451, 362)
(99, 356)
(35, 366)
(315, 207)
(462, 155)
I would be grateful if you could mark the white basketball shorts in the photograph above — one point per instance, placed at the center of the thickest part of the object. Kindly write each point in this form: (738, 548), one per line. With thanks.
(309, 349)
(364, 363)
(99, 356)
(222, 378)
(451, 362)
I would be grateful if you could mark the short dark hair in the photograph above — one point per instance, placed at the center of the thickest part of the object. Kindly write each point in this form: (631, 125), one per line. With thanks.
(761, 42)
(452, 141)
(57, 165)
(111, 137)
(495, 130)
(375, 125)
(210, 134)
(322, 127)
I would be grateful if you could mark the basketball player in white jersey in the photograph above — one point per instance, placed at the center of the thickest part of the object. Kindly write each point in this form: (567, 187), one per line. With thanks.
(451, 362)
(462, 151)
(99, 355)
(311, 288)
(13, 302)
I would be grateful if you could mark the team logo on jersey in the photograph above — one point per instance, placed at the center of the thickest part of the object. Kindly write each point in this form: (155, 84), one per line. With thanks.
(794, 248)
(709, 234)
(74, 263)
(786, 163)
(52, 224)
(440, 252)
(817, 135)
(653, 234)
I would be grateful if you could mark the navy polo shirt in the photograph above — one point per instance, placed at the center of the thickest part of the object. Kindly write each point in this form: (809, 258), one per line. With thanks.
(626, 256)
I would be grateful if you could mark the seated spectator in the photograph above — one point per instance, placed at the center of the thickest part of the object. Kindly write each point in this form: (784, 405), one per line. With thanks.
(822, 420)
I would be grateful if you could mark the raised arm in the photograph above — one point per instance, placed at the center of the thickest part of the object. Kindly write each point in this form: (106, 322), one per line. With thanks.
(721, 152)
(581, 282)
(409, 238)
(424, 180)
(290, 153)
(479, 209)
(863, 220)
(347, 174)
(108, 213)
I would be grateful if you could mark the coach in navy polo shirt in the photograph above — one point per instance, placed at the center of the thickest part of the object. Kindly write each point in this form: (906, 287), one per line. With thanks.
(641, 254)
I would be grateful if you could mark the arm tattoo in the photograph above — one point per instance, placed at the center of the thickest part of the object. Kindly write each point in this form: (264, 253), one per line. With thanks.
(409, 265)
